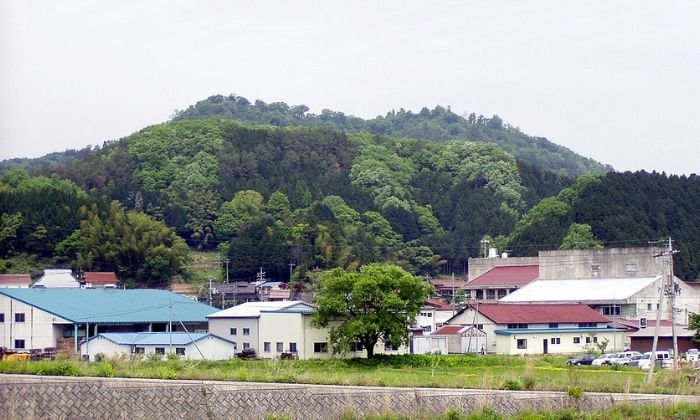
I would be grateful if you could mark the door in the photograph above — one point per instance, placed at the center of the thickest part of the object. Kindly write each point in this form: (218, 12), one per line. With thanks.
(544, 345)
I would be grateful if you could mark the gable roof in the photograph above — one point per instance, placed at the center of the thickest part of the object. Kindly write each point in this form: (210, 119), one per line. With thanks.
(155, 338)
(580, 290)
(57, 278)
(254, 309)
(15, 279)
(103, 277)
(539, 314)
(507, 275)
(113, 306)
(439, 305)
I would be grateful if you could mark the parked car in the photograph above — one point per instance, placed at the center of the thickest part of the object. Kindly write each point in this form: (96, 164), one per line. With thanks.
(636, 360)
(603, 360)
(624, 358)
(644, 364)
(581, 359)
(691, 355)
(630, 361)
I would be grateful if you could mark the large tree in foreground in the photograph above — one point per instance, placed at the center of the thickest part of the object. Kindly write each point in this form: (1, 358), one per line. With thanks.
(378, 302)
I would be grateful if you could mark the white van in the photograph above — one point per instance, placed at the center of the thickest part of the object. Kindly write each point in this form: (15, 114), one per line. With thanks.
(660, 355)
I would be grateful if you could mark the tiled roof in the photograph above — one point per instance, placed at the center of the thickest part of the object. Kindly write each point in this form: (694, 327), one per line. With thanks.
(449, 330)
(113, 306)
(664, 331)
(439, 305)
(507, 275)
(539, 314)
(101, 277)
(23, 279)
(634, 323)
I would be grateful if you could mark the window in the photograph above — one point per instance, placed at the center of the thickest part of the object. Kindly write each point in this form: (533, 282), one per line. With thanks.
(590, 340)
(427, 328)
(180, 351)
(246, 331)
(19, 344)
(357, 346)
(235, 345)
(553, 325)
(234, 331)
(595, 270)
(160, 350)
(19, 317)
(266, 346)
(280, 347)
(321, 347)
(491, 294)
(517, 326)
(502, 293)
(293, 347)
(479, 294)
(649, 308)
(478, 326)
(522, 343)
(2, 317)
(139, 350)
(468, 294)
(246, 346)
(587, 325)
(577, 340)
(611, 310)
(389, 347)
(555, 340)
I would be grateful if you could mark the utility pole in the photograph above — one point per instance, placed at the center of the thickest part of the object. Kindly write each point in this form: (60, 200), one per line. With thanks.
(227, 261)
(209, 301)
(291, 266)
(666, 287)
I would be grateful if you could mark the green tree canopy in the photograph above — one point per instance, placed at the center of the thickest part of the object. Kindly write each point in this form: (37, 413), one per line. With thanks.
(580, 236)
(375, 303)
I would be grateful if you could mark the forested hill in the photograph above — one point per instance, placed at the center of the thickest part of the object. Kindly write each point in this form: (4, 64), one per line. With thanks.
(438, 124)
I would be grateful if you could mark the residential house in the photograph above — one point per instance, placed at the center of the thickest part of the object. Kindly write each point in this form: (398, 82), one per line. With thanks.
(193, 346)
(57, 278)
(15, 280)
(100, 280)
(433, 314)
(452, 339)
(48, 318)
(498, 282)
(447, 289)
(237, 292)
(537, 328)
(276, 328)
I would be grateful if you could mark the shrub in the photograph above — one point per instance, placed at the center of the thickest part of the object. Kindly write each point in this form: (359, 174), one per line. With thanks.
(154, 357)
(512, 385)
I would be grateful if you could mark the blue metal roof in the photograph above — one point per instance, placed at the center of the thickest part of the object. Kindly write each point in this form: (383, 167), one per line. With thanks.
(556, 330)
(154, 339)
(114, 306)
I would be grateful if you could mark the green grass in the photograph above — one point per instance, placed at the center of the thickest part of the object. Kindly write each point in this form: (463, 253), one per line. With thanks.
(454, 371)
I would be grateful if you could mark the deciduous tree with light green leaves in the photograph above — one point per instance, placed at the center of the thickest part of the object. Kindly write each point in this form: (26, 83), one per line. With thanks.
(377, 302)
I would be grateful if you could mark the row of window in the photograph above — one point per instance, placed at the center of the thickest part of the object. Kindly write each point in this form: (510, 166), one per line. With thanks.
(180, 351)
(19, 317)
(552, 325)
(522, 342)
(234, 331)
(267, 346)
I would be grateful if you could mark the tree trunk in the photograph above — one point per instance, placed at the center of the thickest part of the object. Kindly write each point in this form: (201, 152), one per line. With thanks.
(369, 346)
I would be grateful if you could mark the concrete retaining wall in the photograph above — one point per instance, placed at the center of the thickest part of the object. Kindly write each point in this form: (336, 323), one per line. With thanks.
(32, 397)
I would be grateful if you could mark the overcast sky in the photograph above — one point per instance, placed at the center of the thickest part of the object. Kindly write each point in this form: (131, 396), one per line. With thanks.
(617, 81)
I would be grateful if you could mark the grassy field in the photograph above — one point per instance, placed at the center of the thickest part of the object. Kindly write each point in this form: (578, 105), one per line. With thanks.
(455, 371)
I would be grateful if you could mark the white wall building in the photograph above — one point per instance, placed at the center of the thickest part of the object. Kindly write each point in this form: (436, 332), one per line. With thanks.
(274, 328)
(195, 346)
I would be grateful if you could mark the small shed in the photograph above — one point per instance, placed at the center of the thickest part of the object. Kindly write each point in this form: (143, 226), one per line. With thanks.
(462, 339)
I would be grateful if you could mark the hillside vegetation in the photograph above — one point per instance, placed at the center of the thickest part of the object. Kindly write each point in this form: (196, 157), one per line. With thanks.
(315, 197)
(438, 124)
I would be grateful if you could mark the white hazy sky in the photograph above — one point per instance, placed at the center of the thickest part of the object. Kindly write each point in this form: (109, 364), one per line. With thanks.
(617, 81)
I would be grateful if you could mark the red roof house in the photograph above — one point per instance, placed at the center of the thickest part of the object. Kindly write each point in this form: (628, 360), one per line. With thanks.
(15, 280)
(100, 279)
(500, 281)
